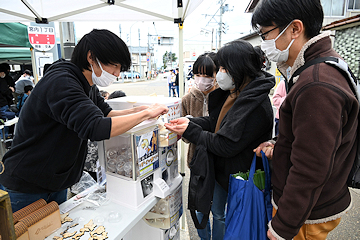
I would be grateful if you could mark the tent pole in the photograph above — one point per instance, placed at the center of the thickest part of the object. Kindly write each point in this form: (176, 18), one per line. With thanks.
(33, 64)
(61, 40)
(181, 94)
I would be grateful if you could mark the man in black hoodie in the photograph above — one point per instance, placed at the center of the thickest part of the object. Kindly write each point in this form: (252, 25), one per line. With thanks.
(64, 110)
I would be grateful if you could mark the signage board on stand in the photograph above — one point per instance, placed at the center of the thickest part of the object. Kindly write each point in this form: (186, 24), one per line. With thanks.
(42, 38)
(41, 59)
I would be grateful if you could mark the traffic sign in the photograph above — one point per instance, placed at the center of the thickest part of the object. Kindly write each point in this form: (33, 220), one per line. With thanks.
(41, 38)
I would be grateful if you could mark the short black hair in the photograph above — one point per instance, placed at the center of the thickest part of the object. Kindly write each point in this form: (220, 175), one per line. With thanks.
(28, 72)
(3, 69)
(283, 12)
(28, 88)
(103, 93)
(117, 94)
(205, 65)
(5, 66)
(103, 45)
(240, 60)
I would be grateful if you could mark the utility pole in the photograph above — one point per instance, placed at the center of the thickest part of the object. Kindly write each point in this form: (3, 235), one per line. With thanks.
(131, 52)
(212, 39)
(120, 29)
(139, 54)
(148, 56)
(221, 23)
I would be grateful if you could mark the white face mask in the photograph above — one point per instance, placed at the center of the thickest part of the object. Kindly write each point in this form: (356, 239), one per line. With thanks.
(225, 81)
(204, 83)
(105, 78)
(274, 54)
(2, 75)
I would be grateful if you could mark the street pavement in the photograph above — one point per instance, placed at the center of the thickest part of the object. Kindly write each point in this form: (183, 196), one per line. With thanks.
(349, 227)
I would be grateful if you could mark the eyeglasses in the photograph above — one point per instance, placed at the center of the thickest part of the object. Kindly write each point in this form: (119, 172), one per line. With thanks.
(262, 35)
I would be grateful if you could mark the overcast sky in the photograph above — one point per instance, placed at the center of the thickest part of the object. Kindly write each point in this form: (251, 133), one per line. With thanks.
(205, 16)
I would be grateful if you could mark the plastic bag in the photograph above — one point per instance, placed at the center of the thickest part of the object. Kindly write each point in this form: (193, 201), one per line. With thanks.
(85, 182)
(98, 197)
(249, 209)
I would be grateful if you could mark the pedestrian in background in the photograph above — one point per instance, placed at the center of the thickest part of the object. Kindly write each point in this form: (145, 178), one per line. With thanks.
(6, 91)
(278, 98)
(9, 81)
(176, 83)
(173, 87)
(170, 83)
(317, 142)
(22, 98)
(236, 124)
(24, 80)
(195, 103)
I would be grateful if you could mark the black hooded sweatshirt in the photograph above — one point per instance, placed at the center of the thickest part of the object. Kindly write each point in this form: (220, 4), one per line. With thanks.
(57, 119)
(248, 123)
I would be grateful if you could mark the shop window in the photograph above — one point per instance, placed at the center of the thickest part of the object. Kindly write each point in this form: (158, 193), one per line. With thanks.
(334, 8)
(354, 5)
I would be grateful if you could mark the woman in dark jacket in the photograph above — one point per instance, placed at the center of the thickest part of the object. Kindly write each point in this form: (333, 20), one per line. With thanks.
(240, 118)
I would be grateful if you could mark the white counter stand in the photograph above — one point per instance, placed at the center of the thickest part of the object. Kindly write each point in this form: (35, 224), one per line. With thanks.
(87, 211)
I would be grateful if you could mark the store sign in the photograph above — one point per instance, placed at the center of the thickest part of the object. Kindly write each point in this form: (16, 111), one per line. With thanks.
(41, 38)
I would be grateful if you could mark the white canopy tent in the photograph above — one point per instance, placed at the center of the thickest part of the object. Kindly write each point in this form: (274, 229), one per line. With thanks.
(43, 11)
(100, 10)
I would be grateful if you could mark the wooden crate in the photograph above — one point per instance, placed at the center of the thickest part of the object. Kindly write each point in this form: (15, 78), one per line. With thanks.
(6, 217)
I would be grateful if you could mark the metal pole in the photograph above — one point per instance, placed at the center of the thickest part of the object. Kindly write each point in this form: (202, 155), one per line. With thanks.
(139, 55)
(61, 40)
(132, 67)
(216, 36)
(120, 30)
(181, 93)
(212, 39)
(220, 23)
(33, 63)
(149, 62)
(132, 64)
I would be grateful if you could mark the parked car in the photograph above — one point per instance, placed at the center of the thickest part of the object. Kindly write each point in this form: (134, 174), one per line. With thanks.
(166, 73)
(127, 75)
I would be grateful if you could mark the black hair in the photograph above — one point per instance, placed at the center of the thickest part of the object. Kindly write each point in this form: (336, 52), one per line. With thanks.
(212, 55)
(103, 93)
(28, 72)
(117, 94)
(28, 88)
(282, 12)
(261, 55)
(241, 61)
(5, 67)
(103, 45)
(205, 65)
